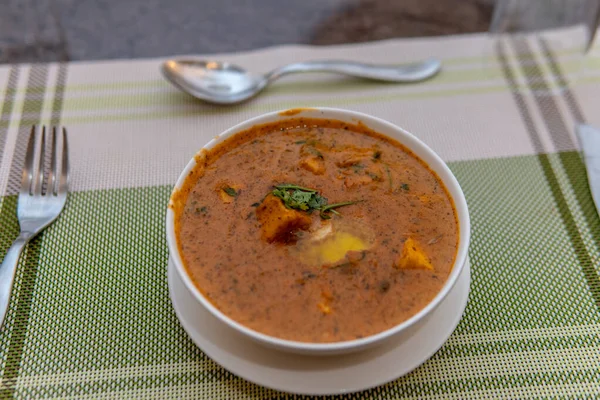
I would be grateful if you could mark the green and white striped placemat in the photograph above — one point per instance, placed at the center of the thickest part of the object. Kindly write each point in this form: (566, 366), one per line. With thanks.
(90, 315)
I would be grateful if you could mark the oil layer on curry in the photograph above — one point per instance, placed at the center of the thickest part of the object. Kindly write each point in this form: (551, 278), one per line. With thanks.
(315, 230)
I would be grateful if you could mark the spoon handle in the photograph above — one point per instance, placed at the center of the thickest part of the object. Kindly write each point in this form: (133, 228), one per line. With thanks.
(414, 72)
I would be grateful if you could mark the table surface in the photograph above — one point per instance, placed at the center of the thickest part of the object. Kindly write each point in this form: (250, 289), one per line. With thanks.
(66, 30)
(90, 315)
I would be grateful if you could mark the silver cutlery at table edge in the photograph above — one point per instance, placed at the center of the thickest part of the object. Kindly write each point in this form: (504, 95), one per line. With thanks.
(40, 200)
(589, 139)
(225, 83)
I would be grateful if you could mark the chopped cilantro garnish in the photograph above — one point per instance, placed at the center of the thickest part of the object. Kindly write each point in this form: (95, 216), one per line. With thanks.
(301, 198)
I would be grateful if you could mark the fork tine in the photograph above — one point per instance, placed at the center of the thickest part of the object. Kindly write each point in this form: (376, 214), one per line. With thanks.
(51, 186)
(27, 177)
(63, 182)
(38, 173)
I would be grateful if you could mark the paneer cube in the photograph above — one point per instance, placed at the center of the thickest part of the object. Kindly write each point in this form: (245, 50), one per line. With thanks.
(313, 164)
(277, 222)
(413, 257)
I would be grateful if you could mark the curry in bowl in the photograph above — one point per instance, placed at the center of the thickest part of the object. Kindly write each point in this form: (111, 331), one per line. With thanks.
(315, 230)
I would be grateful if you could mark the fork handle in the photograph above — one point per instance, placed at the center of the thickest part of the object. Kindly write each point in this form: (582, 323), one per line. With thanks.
(7, 271)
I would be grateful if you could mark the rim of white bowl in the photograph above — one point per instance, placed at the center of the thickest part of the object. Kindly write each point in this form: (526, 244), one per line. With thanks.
(383, 127)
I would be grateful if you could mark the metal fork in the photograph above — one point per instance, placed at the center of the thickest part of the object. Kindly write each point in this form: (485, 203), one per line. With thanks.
(40, 201)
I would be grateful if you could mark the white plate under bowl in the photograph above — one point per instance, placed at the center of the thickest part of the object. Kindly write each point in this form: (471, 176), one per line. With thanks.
(319, 375)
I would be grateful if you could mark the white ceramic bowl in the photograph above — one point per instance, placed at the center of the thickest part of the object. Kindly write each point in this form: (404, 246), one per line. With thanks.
(378, 125)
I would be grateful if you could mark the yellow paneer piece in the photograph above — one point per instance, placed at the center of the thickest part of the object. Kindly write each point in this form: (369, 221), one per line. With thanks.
(313, 164)
(278, 222)
(413, 257)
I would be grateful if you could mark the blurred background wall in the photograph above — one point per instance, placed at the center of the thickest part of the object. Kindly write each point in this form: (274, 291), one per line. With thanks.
(62, 30)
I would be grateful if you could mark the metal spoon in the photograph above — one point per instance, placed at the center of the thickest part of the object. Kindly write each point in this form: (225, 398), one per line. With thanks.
(224, 83)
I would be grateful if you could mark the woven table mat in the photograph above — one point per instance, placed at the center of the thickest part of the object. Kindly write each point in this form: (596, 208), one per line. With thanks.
(90, 315)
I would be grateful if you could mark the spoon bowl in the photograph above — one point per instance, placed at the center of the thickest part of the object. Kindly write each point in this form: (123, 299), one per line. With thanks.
(224, 83)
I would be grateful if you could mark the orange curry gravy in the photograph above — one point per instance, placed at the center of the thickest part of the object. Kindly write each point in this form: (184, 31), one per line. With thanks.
(401, 235)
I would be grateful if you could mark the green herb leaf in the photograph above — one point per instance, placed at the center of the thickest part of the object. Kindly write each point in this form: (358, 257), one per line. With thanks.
(305, 199)
(316, 152)
(284, 186)
(301, 196)
(300, 199)
(330, 207)
(230, 191)
(389, 175)
(317, 201)
(283, 195)
(301, 142)
(405, 186)
(255, 205)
